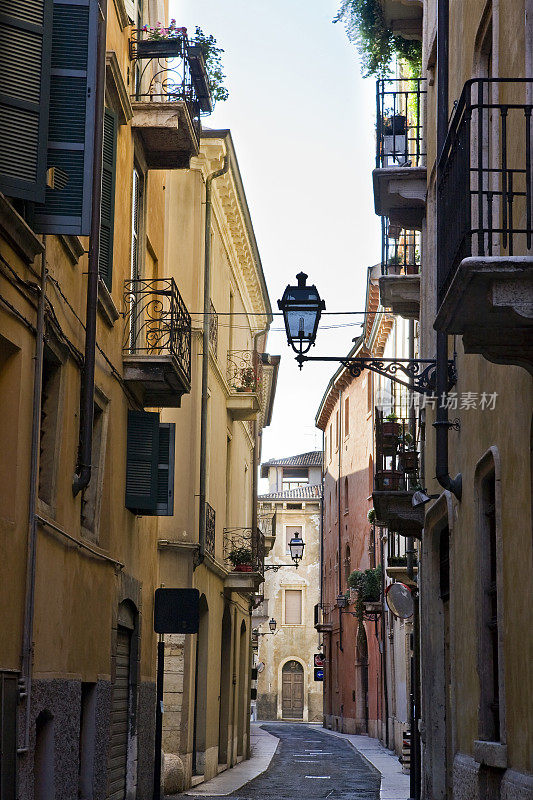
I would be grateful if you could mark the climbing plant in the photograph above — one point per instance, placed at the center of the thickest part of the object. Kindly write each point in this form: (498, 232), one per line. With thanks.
(377, 44)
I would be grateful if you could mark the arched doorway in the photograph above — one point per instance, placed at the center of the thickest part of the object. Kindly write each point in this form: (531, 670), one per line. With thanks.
(200, 711)
(243, 704)
(225, 688)
(292, 690)
(361, 663)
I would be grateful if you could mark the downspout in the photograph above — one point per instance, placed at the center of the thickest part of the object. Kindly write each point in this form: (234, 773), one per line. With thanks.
(205, 356)
(29, 600)
(339, 432)
(441, 424)
(82, 476)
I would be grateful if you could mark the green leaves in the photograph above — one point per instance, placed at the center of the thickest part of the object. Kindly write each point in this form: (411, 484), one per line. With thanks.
(377, 45)
(213, 64)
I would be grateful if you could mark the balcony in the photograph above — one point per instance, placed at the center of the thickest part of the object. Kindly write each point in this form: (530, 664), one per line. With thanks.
(157, 343)
(400, 175)
(403, 17)
(210, 530)
(484, 203)
(320, 623)
(397, 475)
(171, 91)
(244, 554)
(267, 526)
(244, 376)
(399, 284)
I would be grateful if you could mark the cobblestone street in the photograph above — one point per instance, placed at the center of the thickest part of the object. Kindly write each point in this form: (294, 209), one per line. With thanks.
(311, 764)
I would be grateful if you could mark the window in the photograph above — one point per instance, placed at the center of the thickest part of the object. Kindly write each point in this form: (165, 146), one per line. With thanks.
(290, 532)
(136, 218)
(150, 464)
(293, 606)
(336, 430)
(48, 437)
(346, 495)
(347, 565)
(92, 496)
(294, 506)
(347, 416)
(107, 215)
(369, 392)
(330, 440)
(294, 477)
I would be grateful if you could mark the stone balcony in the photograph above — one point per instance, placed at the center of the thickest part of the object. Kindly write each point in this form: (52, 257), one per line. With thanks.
(404, 17)
(244, 377)
(394, 509)
(243, 582)
(168, 132)
(400, 194)
(490, 303)
(401, 293)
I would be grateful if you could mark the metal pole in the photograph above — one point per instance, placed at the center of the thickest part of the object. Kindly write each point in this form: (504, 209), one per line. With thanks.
(159, 717)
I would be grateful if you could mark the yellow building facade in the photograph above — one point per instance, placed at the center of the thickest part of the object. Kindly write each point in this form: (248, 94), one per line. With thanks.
(98, 476)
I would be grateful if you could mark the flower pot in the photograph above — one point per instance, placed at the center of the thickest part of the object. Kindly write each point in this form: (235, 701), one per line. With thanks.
(390, 428)
(242, 568)
(158, 48)
(394, 269)
(411, 269)
(408, 461)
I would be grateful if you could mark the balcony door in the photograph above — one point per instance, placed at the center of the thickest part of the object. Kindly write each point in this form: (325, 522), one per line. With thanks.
(292, 706)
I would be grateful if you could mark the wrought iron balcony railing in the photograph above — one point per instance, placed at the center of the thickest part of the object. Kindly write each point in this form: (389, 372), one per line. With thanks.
(397, 456)
(245, 371)
(210, 520)
(400, 249)
(485, 178)
(170, 69)
(244, 550)
(157, 321)
(400, 133)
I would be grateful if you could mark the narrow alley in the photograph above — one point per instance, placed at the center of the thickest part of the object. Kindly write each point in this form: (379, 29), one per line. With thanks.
(308, 763)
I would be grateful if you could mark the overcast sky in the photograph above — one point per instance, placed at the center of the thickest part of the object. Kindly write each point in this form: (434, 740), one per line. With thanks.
(303, 121)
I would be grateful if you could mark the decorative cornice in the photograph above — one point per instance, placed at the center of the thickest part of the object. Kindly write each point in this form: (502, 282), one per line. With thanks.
(116, 88)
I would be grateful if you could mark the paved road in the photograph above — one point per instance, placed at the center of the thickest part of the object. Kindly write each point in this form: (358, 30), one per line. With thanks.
(311, 764)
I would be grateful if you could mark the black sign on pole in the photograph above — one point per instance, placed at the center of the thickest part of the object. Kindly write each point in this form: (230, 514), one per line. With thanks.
(319, 674)
(176, 610)
(319, 659)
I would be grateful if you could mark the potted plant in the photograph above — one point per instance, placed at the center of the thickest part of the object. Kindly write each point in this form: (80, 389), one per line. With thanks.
(371, 516)
(397, 561)
(394, 264)
(408, 456)
(241, 558)
(161, 42)
(247, 380)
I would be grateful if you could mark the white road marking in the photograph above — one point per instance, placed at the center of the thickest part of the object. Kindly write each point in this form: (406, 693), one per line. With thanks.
(319, 777)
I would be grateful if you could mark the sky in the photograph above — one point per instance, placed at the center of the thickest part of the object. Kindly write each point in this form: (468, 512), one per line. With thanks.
(303, 123)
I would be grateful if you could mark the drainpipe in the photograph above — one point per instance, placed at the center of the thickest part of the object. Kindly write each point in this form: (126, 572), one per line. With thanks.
(29, 600)
(83, 470)
(205, 354)
(442, 424)
(339, 432)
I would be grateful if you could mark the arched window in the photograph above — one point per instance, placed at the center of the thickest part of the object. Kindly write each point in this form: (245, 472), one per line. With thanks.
(346, 495)
(370, 475)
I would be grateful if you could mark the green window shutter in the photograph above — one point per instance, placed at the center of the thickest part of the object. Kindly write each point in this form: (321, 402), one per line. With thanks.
(165, 470)
(25, 50)
(72, 119)
(107, 215)
(142, 461)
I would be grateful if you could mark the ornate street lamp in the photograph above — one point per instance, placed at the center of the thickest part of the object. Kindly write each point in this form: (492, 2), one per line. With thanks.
(296, 547)
(302, 307)
(271, 624)
(342, 602)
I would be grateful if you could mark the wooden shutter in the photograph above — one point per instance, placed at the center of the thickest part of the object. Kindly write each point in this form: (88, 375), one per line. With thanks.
(71, 123)
(107, 215)
(142, 461)
(130, 6)
(165, 470)
(120, 711)
(293, 607)
(8, 735)
(25, 48)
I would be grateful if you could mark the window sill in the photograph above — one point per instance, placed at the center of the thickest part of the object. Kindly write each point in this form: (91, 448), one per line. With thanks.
(18, 233)
(491, 754)
(106, 306)
(73, 247)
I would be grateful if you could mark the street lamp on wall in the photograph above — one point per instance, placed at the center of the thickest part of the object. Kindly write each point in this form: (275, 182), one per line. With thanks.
(296, 548)
(271, 624)
(302, 308)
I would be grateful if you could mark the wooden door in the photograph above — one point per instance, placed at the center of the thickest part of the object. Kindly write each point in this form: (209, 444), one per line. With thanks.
(118, 753)
(292, 694)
